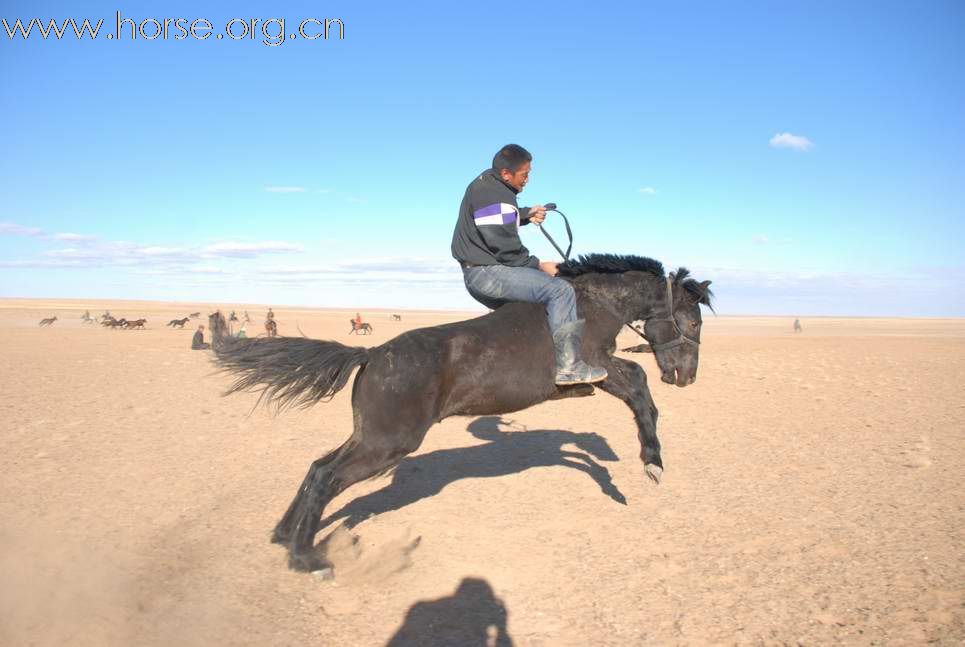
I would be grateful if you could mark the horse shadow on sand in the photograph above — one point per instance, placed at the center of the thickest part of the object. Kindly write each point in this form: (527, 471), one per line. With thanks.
(507, 452)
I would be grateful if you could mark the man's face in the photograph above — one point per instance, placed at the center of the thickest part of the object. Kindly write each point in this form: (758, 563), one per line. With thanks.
(518, 179)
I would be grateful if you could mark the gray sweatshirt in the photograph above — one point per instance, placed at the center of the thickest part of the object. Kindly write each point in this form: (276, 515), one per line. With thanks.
(487, 232)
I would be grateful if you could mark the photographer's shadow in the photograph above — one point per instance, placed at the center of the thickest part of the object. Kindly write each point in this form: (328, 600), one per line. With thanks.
(420, 477)
(471, 617)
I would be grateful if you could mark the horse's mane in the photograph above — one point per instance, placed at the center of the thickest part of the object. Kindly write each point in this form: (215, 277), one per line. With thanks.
(610, 264)
(620, 263)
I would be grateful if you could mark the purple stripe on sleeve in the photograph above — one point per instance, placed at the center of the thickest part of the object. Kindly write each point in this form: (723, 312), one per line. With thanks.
(489, 210)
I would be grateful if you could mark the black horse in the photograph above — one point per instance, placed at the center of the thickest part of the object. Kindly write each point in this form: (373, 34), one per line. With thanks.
(498, 363)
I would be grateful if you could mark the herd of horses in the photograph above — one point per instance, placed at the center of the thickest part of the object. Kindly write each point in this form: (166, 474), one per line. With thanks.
(271, 326)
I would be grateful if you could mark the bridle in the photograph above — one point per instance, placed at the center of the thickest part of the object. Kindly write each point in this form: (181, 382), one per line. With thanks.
(681, 338)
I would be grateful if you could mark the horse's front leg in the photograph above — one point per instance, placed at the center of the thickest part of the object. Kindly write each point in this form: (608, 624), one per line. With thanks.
(627, 381)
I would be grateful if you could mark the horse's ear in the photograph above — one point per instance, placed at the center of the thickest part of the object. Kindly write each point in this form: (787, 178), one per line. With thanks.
(708, 296)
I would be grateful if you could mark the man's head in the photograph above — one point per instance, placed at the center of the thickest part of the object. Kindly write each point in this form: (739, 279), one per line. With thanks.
(512, 162)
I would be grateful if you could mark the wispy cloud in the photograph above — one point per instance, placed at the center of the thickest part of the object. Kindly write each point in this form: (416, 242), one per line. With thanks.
(794, 142)
(249, 250)
(121, 253)
(386, 265)
(13, 229)
(44, 263)
(388, 271)
(285, 189)
(74, 238)
(763, 239)
(176, 270)
(648, 190)
(81, 250)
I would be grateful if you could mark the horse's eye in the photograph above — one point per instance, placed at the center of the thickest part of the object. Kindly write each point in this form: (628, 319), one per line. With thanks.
(694, 324)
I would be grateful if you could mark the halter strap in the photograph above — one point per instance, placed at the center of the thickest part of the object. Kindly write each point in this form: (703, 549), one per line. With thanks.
(681, 338)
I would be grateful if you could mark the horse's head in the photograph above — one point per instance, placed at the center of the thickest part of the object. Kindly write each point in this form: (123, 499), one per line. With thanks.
(674, 331)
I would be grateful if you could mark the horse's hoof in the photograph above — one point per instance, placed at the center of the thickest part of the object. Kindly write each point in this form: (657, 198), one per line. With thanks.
(307, 563)
(654, 472)
(325, 574)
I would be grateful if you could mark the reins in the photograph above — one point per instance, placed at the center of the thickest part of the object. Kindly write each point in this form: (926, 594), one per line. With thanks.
(569, 233)
(681, 338)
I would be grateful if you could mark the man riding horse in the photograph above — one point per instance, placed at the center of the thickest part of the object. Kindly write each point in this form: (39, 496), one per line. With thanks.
(497, 268)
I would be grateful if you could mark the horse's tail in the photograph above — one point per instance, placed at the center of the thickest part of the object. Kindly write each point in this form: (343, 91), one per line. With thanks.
(288, 371)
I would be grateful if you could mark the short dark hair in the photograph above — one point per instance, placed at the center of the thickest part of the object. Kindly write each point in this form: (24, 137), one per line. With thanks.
(511, 157)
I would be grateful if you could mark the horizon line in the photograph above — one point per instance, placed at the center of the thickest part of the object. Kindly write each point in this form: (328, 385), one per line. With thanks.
(440, 309)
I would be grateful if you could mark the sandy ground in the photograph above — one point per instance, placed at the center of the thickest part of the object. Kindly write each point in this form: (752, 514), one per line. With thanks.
(813, 493)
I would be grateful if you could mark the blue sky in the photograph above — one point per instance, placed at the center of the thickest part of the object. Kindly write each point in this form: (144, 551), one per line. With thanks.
(806, 157)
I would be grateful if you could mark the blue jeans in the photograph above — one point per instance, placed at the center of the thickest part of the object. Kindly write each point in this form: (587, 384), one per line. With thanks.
(495, 285)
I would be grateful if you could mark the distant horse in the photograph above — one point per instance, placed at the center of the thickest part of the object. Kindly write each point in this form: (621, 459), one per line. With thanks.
(178, 323)
(797, 326)
(247, 318)
(86, 318)
(137, 323)
(194, 315)
(117, 323)
(48, 322)
(271, 328)
(233, 316)
(497, 363)
(360, 328)
(396, 318)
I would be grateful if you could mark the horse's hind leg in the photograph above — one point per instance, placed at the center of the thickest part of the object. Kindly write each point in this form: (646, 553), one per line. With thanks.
(363, 456)
(283, 530)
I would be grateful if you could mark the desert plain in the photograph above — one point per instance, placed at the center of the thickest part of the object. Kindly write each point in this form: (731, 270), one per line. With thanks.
(813, 494)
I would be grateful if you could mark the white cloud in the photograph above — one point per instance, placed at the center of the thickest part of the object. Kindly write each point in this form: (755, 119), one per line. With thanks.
(157, 252)
(205, 269)
(794, 142)
(42, 263)
(73, 238)
(388, 271)
(285, 189)
(13, 229)
(249, 250)
(386, 265)
(648, 190)
(89, 251)
(760, 239)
